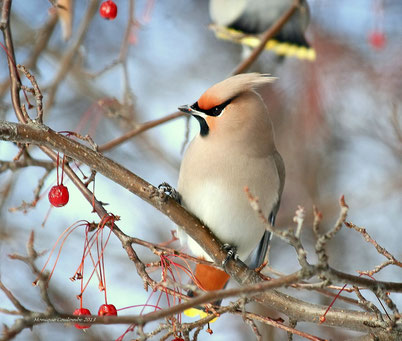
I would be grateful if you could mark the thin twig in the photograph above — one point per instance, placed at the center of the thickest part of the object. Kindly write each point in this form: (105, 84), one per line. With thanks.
(381, 250)
(369, 305)
(68, 56)
(26, 162)
(17, 304)
(280, 325)
(254, 328)
(138, 130)
(37, 92)
(323, 239)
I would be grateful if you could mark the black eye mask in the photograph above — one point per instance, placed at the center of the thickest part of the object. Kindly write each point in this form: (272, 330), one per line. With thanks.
(215, 111)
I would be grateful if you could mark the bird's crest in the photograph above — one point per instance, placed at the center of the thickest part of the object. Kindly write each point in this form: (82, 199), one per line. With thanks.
(232, 87)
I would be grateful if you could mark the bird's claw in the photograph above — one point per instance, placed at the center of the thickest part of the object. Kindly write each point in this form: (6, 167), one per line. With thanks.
(231, 253)
(165, 188)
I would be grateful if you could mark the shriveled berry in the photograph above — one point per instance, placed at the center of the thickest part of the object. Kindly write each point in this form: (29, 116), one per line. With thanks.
(108, 10)
(107, 310)
(58, 195)
(81, 312)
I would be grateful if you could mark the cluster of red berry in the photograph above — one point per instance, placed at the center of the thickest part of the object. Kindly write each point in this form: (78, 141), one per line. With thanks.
(58, 197)
(104, 310)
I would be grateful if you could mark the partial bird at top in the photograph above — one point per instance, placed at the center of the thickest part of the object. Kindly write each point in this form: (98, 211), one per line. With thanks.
(243, 20)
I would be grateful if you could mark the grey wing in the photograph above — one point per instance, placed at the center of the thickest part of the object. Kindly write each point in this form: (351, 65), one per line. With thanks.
(259, 15)
(257, 257)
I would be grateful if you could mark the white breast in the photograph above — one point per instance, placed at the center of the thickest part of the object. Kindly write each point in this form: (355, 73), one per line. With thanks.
(219, 200)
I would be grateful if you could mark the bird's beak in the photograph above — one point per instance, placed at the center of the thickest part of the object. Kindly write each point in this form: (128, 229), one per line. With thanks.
(187, 109)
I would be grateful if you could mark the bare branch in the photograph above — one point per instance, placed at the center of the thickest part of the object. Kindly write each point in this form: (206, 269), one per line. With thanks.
(17, 304)
(323, 239)
(68, 56)
(138, 130)
(26, 162)
(381, 250)
(36, 91)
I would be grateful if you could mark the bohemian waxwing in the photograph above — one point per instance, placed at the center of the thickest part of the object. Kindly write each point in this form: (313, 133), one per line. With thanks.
(234, 149)
(256, 16)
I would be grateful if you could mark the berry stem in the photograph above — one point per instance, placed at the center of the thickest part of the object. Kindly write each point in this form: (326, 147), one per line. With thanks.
(57, 168)
(62, 168)
(65, 233)
(322, 318)
(88, 246)
(102, 265)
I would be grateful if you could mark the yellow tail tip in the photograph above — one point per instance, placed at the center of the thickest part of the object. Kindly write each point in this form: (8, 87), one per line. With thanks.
(282, 49)
(195, 312)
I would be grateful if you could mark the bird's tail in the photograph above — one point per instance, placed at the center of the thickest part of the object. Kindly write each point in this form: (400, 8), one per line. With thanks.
(281, 48)
(208, 278)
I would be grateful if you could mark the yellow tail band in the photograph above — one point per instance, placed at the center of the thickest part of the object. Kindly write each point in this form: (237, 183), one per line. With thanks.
(282, 49)
(194, 312)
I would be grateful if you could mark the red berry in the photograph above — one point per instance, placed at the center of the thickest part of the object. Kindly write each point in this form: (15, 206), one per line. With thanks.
(107, 310)
(80, 312)
(377, 40)
(108, 10)
(178, 339)
(58, 195)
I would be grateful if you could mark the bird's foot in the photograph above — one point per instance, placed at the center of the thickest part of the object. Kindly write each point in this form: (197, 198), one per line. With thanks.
(169, 191)
(231, 253)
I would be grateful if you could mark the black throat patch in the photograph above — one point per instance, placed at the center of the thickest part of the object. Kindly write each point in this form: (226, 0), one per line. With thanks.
(204, 129)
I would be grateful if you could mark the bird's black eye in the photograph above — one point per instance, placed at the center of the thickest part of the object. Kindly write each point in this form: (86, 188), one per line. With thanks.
(217, 110)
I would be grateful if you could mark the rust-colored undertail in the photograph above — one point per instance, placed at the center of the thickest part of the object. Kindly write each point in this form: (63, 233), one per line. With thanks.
(210, 278)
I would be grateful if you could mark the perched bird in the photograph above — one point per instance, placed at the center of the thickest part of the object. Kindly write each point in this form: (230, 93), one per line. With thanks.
(234, 149)
(253, 17)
